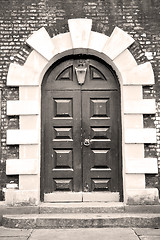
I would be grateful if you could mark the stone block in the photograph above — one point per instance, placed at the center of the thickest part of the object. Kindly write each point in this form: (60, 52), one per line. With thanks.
(139, 75)
(134, 151)
(117, 43)
(146, 135)
(29, 151)
(22, 197)
(146, 165)
(22, 137)
(63, 42)
(21, 166)
(132, 93)
(29, 94)
(146, 196)
(133, 121)
(29, 182)
(101, 197)
(22, 107)
(99, 38)
(22, 76)
(125, 61)
(80, 32)
(135, 181)
(63, 197)
(37, 62)
(29, 122)
(42, 43)
(145, 106)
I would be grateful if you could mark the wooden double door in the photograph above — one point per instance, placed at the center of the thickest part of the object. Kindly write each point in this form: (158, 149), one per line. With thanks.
(81, 129)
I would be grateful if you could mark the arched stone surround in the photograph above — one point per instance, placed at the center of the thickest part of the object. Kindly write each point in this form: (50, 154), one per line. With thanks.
(132, 78)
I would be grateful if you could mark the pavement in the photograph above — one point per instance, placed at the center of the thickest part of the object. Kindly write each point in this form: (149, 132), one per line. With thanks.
(80, 234)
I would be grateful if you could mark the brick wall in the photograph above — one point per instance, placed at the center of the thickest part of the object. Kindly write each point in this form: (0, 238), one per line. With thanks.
(19, 18)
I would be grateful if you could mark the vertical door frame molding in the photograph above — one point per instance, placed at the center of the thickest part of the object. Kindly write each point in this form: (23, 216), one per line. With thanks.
(132, 77)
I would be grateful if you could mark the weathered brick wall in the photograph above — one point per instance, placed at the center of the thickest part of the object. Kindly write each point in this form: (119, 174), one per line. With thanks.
(19, 18)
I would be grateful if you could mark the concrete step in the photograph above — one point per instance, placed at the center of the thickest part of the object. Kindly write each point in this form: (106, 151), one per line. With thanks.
(90, 207)
(81, 220)
(96, 207)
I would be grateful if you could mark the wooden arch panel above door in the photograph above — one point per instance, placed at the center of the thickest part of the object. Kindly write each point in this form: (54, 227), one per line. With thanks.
(99, 75)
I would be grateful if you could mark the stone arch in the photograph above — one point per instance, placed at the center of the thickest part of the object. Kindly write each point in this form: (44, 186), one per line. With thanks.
(132, 78)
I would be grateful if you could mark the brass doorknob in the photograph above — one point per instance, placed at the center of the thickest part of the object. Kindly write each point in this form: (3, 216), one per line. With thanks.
(86, 142)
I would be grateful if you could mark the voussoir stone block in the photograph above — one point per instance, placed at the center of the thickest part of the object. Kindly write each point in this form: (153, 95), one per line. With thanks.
(37, 62)
(22, 76)
(42, 43)
(97, 41)
(125, 61)
(139, 75)
(80, 32)
(117, 43)
(63, 42)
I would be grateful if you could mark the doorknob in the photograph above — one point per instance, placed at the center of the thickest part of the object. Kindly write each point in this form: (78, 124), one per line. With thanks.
(86, 142)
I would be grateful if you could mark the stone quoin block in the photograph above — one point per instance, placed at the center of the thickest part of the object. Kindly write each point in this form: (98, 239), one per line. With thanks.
(133, 121)
(146, 135)
(21, 166)
(146, 165)
(22, 137)
(145, 106)
(132, 184)
(22, 107)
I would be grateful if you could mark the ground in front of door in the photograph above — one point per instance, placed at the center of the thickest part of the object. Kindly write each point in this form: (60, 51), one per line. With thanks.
(78, 234)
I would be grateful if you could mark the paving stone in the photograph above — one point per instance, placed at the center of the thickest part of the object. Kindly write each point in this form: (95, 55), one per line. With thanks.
(8, 232)
(85, 234)
(150, 238)
(147, 232)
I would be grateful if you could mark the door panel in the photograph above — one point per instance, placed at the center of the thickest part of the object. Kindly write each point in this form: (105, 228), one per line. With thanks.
(100, 127)
(62, 141)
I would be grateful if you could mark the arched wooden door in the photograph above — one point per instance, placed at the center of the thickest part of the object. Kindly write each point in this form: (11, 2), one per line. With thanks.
(81, 129)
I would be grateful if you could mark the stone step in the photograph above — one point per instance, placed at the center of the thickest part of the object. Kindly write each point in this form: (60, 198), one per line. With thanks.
(72, 220)
(90, 207)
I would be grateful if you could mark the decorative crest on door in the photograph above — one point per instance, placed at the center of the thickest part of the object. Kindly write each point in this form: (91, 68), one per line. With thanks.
(81, 72)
